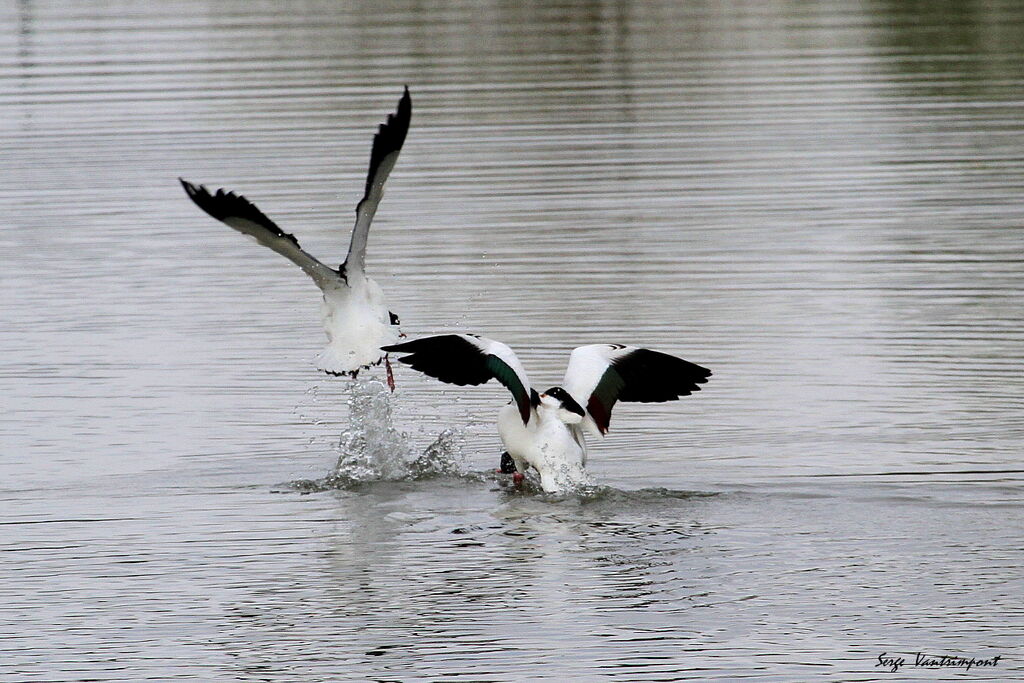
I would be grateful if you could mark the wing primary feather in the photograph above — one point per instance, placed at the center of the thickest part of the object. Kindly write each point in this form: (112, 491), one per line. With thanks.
(389, 138)
(450, 358)
(224, 205)
(631, 375)
(465, 360)
(240, 214)
(387, 143)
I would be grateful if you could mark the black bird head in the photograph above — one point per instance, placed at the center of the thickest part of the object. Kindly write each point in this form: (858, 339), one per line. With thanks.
(567, 401)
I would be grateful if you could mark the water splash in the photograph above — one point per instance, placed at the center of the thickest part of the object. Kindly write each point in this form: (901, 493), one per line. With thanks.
(373, 449)
(441, 458)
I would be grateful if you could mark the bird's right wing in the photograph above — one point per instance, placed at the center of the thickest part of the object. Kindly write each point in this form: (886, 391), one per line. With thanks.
(239, 213)
(468, 359)
(601, 374)
(387, 143)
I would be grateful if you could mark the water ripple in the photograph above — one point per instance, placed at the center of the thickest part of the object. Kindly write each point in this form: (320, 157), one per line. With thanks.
(820, 202)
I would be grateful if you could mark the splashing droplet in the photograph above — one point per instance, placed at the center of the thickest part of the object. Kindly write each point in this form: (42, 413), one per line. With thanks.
(372, 448)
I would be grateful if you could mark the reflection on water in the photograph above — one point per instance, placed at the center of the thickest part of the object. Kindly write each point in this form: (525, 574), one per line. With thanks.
(819, 202)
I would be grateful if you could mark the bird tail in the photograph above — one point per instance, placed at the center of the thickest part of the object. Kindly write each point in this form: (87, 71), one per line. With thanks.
(331, 361)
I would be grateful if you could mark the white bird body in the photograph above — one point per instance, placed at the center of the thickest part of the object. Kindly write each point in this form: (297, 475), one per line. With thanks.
(356, 320)
(355, 315)
(547, 431)
(554, 447)
(519, 439)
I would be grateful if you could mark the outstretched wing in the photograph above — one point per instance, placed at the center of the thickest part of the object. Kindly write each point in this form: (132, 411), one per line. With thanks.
(387, 143)
(468, 359)
(601, 374)
(237, 212)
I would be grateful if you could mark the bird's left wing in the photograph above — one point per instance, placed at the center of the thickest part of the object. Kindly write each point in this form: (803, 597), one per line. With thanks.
(239, 213)
(601, 374)
(387, 143)
(469, 359)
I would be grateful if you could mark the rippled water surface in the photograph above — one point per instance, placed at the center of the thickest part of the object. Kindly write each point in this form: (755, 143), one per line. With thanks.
(821, 202)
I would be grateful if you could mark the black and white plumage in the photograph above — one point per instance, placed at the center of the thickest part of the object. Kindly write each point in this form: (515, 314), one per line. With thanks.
(547, 431)
(355, 317)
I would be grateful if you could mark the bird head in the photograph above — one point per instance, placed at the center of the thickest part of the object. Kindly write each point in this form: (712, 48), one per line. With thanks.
(569, 411)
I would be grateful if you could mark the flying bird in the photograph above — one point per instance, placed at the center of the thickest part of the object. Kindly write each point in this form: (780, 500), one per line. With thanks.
(547, 431)
(355, 317)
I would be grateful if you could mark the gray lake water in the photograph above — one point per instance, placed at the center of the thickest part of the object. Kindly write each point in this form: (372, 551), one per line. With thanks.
(821, 202)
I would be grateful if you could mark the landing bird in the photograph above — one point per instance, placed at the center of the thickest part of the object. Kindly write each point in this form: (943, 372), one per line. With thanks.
(355, 317)
(547, 431)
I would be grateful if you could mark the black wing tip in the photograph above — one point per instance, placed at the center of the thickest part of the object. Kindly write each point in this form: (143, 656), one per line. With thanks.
(411, 359)
(389, 138)
(700, 373)
(688, 378)
(225, 204)
(414, 345)
(222, 203)
(656, 377)
(396, 125)
(441, 357)
(192, 190)
(219, 204)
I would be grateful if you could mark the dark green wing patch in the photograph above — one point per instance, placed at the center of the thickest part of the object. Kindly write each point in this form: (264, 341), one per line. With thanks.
(507, 376)
(603, 398)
